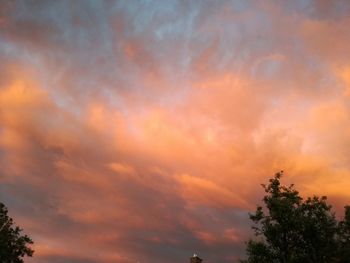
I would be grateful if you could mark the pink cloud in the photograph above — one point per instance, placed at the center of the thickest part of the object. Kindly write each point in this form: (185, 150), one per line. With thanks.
(133, 139)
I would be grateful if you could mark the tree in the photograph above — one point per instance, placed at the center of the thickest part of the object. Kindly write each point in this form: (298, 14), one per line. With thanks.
(13, 245)
(344, 237)
(289, 229)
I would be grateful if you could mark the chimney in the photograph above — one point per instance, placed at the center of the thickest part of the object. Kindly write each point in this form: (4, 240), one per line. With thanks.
(196, 259)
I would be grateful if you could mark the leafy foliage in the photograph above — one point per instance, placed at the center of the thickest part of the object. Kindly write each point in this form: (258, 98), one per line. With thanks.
(13, 245)
(290, 229)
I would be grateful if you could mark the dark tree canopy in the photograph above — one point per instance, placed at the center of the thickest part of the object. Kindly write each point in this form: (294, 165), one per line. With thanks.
(13, 245)
(289, 229)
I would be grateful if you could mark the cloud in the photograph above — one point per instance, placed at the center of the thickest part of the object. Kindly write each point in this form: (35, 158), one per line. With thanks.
(141, 131)
(208, 193)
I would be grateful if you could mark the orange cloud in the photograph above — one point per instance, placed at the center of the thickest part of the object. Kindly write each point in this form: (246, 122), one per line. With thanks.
(206, 192)
(144, 134)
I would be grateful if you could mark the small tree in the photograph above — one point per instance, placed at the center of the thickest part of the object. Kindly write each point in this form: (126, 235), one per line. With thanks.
(292, 230)
(13, 245)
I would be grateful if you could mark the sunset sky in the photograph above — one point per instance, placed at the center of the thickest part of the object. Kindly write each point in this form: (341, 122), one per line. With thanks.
(140, 131)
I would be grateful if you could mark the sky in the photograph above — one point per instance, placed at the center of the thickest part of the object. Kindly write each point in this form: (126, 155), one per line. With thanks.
(140, 131)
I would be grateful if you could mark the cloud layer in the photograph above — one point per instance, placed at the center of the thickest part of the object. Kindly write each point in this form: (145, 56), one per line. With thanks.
(140, 131)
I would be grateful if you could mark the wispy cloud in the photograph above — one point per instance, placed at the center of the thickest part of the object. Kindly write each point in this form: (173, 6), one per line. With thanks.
(141, 130)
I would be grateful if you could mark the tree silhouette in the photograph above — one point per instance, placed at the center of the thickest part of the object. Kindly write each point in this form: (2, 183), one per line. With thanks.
(13, 245)
(289, 229)
(344, 237)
